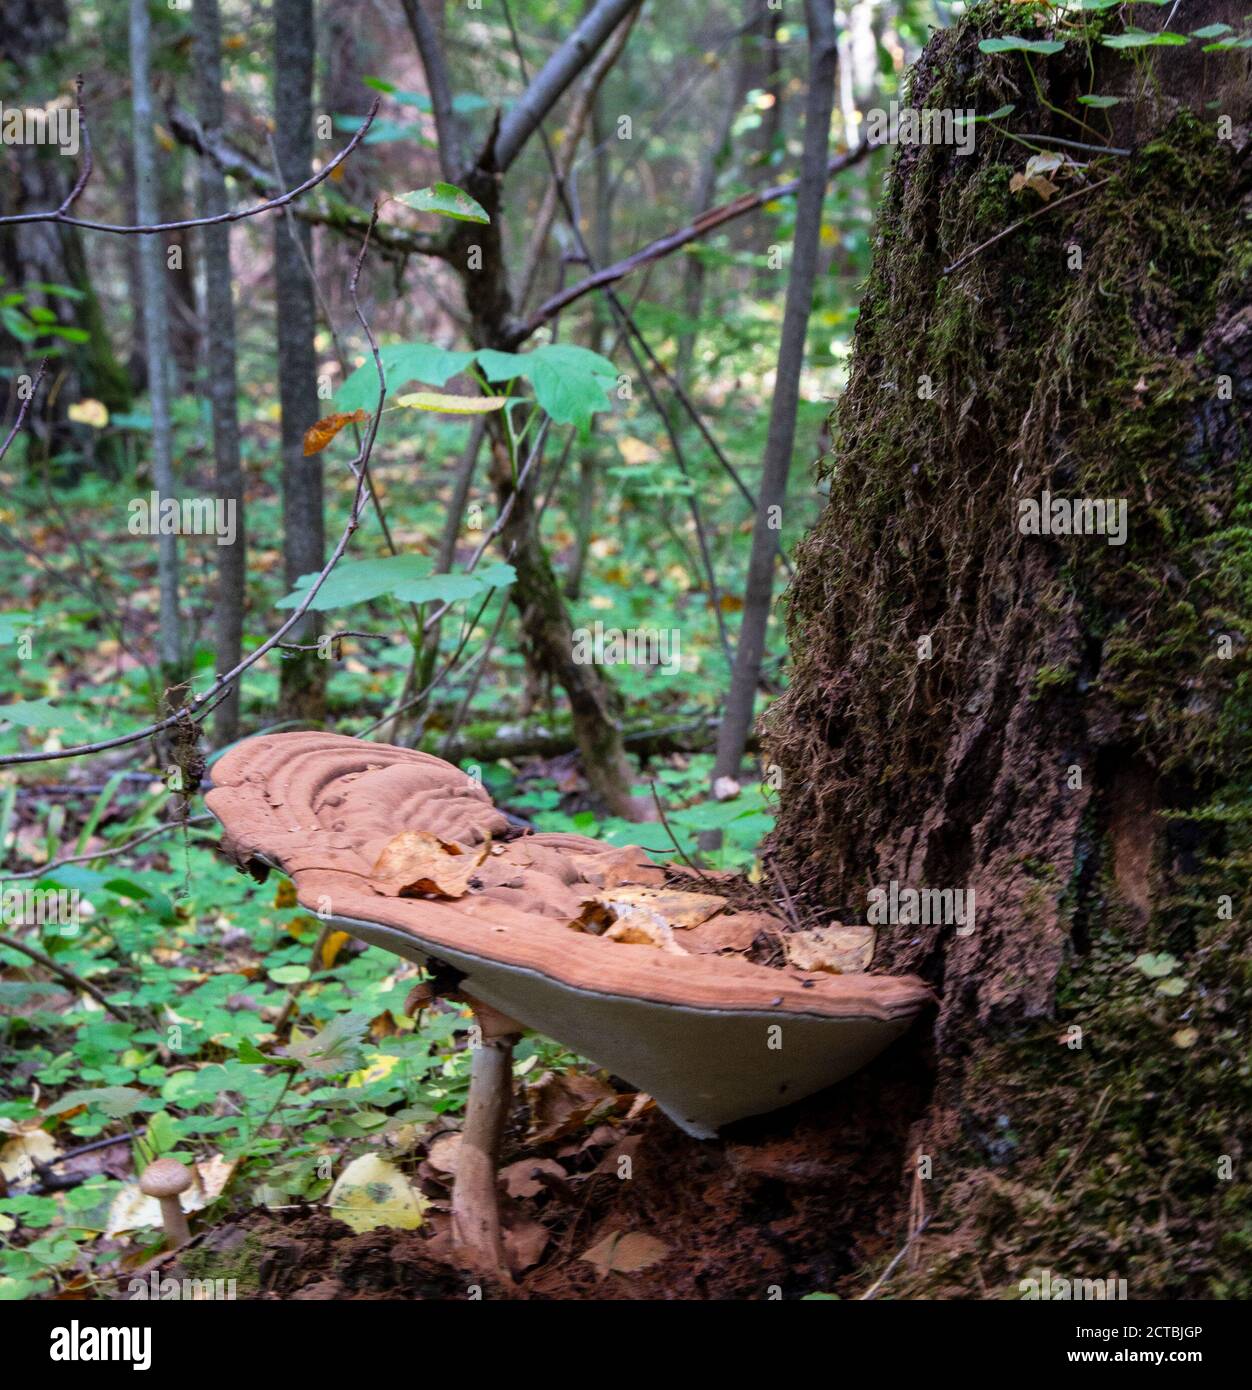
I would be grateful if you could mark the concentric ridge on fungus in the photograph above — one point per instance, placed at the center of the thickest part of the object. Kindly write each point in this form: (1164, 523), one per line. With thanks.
(712, 1038)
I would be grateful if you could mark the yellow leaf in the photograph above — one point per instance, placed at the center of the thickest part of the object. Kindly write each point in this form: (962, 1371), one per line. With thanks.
(372, 1192)
(446, 404)
(89, 412)
(318, 436)
(20, 1154)
(379, 1066)
(331, 947)
(285, 893)
(635, 450)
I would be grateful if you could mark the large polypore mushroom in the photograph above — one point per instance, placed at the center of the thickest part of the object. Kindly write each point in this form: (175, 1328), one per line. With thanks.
(554, 932)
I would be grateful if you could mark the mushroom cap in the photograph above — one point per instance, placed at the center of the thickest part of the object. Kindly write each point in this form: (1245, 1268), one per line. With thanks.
(712, 1038)
(165, 1177)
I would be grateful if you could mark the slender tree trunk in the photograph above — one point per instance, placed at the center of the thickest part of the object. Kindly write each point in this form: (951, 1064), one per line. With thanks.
(33, 178)
(303, 679)
(156, 331)
(219, 363)
(702, 200)
(746, 674)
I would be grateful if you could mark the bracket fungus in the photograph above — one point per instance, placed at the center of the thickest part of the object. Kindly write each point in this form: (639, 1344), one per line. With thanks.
(560, 933)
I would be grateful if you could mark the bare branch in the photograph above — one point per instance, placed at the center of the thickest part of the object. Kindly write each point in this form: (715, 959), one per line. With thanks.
(339, 217)
(23, 409)
(281, 200)
(574, 127)
(555, 76)
(75, 981)
(447, 127)
(674, 241)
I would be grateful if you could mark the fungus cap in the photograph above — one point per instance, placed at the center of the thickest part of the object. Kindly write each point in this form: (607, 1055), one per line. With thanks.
(712, 1038)
(165, 1177)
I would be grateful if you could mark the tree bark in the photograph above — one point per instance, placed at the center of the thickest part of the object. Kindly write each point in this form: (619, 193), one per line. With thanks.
(1056, 723)
(156, 332)
(302, 687)
(219, 367)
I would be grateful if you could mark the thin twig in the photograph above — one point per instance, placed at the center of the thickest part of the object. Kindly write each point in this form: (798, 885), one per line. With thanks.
(891, 1268)
(44, 869)
(59, 215)
(200, 705)
(65, 973)
(1008, 231)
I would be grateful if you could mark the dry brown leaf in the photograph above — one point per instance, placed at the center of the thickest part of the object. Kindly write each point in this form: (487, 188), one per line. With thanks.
(1038, 183)
(318, 436)
(524, 1242)
(837, 950)
(520, 1180)
(625, 1254)
(417, 862)
(637, 931)
(561, 1102)
(731, 931)
(627, 864)
(441, 1152)
(670, 906)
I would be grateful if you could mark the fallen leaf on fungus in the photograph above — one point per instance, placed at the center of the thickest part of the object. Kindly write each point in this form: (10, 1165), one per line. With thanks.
(837, 950)
(418, 862)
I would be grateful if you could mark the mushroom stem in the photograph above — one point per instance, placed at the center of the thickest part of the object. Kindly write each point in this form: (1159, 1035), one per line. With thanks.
(174, 1222)
(475, 1195)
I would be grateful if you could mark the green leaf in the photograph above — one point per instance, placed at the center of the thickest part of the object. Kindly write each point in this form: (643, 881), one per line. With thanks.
(1211, 31)
(1100, 103)
(570, 383)
(37, 714)
(1136, 38)
(402, 363)
(337, 1047)
(289, 974)
(445, 199)
(1014, 44)
(448, 588)
(406, 578)
(1156, 967)
(115, 1101)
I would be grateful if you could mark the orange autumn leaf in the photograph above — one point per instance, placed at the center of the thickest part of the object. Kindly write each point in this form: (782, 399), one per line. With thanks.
(318, 436)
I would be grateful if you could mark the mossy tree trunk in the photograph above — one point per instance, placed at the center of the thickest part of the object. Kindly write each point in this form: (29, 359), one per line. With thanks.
(1060, 724)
